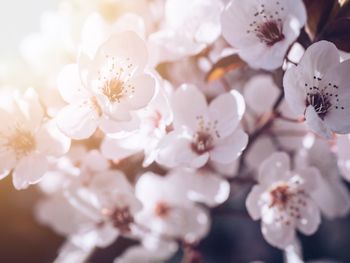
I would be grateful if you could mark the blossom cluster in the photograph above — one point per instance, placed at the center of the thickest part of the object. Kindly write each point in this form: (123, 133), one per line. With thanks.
(136, 118)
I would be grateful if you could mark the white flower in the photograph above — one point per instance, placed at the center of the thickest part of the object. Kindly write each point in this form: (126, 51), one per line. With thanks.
(154, 120)
(82, 229)
(99, 206)
(106, 195)
(27, 139)
(189, 27)
(167, 211)
(282, 200)
(331, 194)
(263, 30)
(318, 89)
(201, 132)
(114, 86)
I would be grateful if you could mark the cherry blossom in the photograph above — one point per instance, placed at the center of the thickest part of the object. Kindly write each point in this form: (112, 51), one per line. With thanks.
(262, 31)
(154, 121)
(99, 201)
(201, 132)
(27, 140)
(184, 33)
(317, 89)
(331, 194)
(114, 86)
(167, 212)
(282, 200)
(100, 207)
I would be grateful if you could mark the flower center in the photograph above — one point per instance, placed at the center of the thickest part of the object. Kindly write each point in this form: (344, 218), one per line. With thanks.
(113, 89)
(267, 24)
(320, 102)
(322, 99)
(122, 218)
(114, 79)
(202, 142)
(203, 139)
(288, 201)
(162, 209)
(270, 32)
(280, 196)
(22, 142)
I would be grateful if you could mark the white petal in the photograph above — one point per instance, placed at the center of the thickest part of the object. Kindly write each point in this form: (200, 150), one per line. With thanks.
(110, 126)
(94, 161)
(310, 176)
(278, 235)
(169, 45)
(317, 59)
(228, 110)
(69, 84)
(236, 18)
(125, 47)
(182, 15)
(202, 187)
(144, 91)
(8, 121)
(95, 31)
(78, 121)
(297, 9)
(230, 148)
(51, 141)
(7, 162)
(316, 124)
(294, 89)
(151, 188)
(70, 252)
(175, 150)
(338, 118)
(31, 108)
(274, 168)
(197, 224)
(117, 149)
(256, 89)
(332, 197)
(252, 202)
(143, 254)
(188, 103)
(310, 218)
(29, 170)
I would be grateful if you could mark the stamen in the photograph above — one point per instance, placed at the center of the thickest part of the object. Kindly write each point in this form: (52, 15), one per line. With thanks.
(270, 33)
(202, 142)
(122, 218)
(115, 79)
(21, 141)
(267, 25)
(162, 209)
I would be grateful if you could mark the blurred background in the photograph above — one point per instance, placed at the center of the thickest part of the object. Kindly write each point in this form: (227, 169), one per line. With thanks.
(17, 19)
(234, 236)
